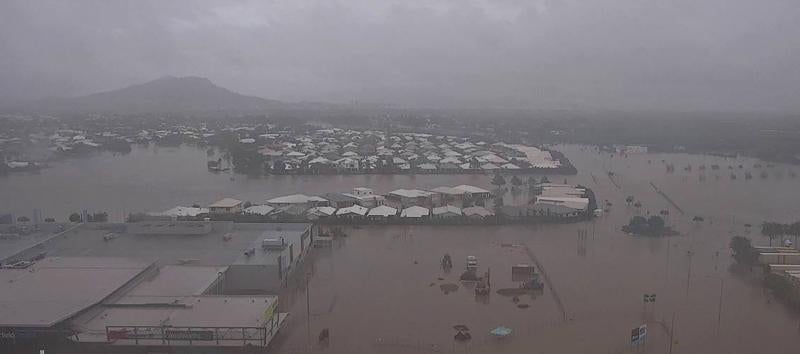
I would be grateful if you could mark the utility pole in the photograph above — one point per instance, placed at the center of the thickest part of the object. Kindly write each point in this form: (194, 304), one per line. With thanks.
(719, 309)
(672, 332)
(689, 274)
(308, 308)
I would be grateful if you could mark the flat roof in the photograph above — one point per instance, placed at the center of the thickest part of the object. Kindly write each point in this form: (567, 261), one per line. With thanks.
(190, 311)
(176, 280)
(173, 296)
(222, 246)
(263, 256)
(55, 289)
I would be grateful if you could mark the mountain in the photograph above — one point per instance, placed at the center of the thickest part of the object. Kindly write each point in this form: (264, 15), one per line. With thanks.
(168, 94)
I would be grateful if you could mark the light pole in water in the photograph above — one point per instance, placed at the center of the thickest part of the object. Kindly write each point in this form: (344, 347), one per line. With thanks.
(308, 308)
(719, 301)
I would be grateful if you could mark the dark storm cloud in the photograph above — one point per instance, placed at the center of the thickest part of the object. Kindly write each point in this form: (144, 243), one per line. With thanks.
(682, 55)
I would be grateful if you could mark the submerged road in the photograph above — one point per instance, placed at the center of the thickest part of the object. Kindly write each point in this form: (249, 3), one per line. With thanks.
(667, 198)
(538, 264)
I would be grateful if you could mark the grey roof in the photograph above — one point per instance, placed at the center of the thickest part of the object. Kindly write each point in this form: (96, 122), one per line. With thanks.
(339, 197)
(55, 289)
(222, 246)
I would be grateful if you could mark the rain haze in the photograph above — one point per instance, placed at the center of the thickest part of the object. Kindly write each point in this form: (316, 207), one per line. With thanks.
(715, 55)
(359, 177)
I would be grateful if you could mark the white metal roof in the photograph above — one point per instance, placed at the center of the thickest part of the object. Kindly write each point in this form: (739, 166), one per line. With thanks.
(323, 210)
(447, 209)
(294, 199)
(477, 210)
(259, 209)
(410, 193)
(182, 211)
(354, 209)
(414, 212)
(382, 210)
(573, 203)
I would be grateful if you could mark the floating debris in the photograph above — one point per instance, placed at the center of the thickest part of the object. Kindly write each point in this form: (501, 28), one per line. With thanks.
(448, 288)
(523, 306)
(461, 328)
(462, 336)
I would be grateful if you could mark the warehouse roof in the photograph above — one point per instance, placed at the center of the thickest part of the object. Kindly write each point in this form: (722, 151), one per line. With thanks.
(55, 289)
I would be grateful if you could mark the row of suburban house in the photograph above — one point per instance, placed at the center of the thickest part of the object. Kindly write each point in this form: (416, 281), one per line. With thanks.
(462, 202)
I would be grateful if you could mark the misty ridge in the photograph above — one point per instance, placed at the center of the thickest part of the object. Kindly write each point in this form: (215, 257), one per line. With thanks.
(680, 76)
(713, 56)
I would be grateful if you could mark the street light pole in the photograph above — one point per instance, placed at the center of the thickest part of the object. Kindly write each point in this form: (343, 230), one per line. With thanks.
(308, 308)
(719, 309)
(689, 274)
(672, 332)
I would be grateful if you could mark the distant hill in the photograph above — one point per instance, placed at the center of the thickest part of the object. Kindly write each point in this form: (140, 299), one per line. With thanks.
(168, 94)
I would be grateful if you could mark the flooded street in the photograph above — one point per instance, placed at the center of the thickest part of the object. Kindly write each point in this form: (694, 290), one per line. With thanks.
(381, 289)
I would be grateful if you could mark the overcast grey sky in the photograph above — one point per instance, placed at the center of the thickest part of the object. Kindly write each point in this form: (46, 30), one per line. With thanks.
(726, 55)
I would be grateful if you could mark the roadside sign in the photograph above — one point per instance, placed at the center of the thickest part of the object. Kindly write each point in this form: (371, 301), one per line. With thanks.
(639, 335)
(643, 333)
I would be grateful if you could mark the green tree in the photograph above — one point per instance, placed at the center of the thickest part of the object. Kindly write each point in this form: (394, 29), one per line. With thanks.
(743, 251)
(75, 217)
(498, 180)
(516, 181)
(655, 223)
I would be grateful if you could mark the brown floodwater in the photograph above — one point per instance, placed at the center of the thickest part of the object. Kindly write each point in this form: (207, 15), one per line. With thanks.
(382, 290)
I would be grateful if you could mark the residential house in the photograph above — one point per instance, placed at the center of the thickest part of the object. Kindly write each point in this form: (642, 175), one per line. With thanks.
(225, 206)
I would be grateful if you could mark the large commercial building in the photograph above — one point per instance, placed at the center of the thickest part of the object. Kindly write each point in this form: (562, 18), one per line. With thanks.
(151, 285)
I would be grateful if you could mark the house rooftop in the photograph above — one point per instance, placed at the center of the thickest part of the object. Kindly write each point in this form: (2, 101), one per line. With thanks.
(414, 212)
(410, 193)
(226, 203)
(382, 210)
(471, 189)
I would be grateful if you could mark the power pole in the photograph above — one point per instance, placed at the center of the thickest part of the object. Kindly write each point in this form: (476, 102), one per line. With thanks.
(719, 310)
(672, 332)
(308, 308)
